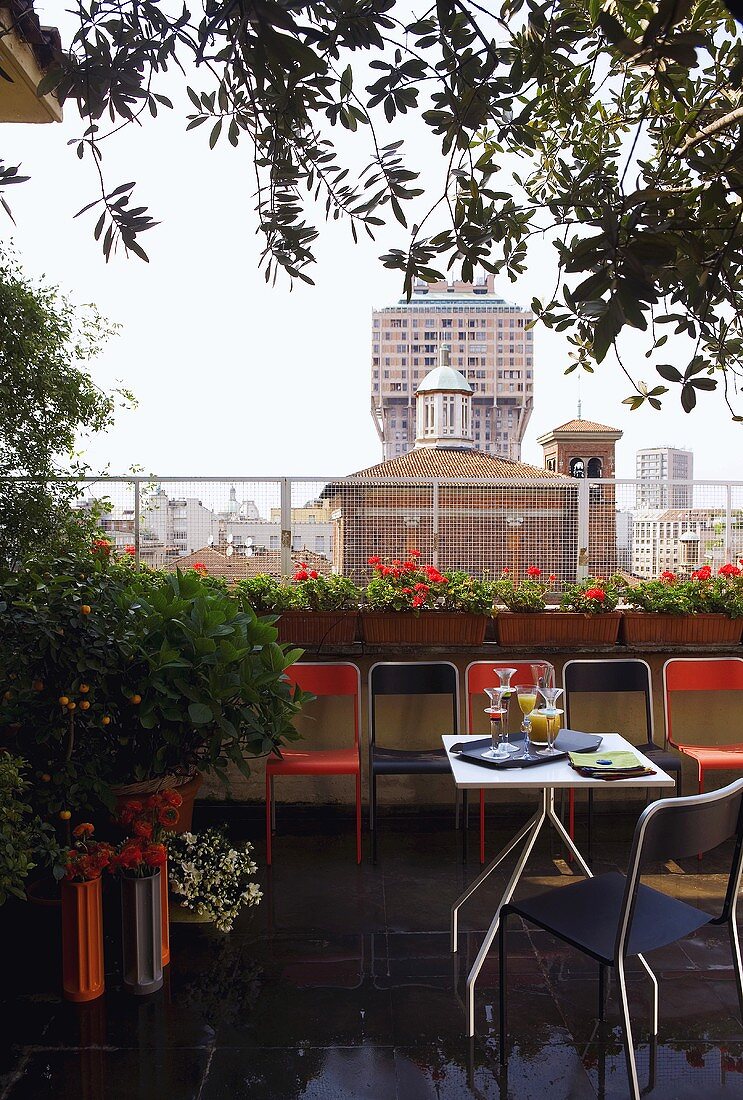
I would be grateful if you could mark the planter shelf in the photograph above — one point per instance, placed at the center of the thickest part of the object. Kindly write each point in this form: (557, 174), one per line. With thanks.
(317, 627)
(653, 628)
(426, 628)
(559, 628)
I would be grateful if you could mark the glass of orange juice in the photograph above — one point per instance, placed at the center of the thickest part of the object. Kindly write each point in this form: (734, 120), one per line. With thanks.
(527, 698)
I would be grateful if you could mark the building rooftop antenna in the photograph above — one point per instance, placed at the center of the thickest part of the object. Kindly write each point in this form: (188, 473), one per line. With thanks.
(580, 404)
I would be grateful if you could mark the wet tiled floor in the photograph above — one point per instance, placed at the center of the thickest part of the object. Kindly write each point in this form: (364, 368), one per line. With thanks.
(342, 985)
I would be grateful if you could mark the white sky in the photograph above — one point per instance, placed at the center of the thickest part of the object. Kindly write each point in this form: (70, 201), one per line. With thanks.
(240, 379)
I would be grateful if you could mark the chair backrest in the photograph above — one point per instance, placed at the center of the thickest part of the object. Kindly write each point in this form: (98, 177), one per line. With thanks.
(593, 677)
(413, 678)
(682, 674)
(481, 674)
(677, 828)
(340, 678)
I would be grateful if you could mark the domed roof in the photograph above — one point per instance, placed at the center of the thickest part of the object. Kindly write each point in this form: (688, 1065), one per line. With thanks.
(444, 378)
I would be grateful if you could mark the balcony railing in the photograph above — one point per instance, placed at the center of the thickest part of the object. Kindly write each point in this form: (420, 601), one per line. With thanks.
(569, 528)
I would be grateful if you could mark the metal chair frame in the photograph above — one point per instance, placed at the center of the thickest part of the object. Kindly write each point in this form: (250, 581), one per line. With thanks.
(669, 828)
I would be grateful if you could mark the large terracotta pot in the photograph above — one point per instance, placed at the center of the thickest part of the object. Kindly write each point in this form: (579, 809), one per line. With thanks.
(141, 934)
(318, 627)
(652, 628)
(557, 628)
(187, 789)
(82, 940)
(446, 628)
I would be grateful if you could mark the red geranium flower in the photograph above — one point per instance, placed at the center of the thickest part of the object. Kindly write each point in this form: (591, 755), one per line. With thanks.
(155, 855)
(314, 574)
(417, 554)
(668, 576)
(417, 601)
(597, 594)
(143, 829)
(552, 578)
(301, 575)
(199, 567)
(505, 569)
(729, 570)
(130, 549)
(702, 574)
(533, 571)
(375, 560)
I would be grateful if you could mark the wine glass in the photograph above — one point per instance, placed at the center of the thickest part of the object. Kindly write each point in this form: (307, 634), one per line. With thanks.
(497, 712)
(550, 696)
(543, 673)
(527, 698)
(504, 675)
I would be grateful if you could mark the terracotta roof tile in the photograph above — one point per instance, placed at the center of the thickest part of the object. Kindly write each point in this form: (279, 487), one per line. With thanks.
(584, 426)
(450, 462)
(237, 567)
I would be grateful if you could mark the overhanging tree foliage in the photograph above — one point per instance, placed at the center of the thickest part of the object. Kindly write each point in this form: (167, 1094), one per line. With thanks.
(47, 399)
(612, 128)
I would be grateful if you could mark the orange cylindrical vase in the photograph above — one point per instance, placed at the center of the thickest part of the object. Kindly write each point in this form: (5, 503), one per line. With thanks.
(164, 914)
(82, 940)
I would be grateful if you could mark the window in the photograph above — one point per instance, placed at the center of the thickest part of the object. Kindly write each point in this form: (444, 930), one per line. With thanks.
(319, 544)
(428, 416)
(273, 541)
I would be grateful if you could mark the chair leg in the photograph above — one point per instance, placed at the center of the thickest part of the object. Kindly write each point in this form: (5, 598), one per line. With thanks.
(482, 825)
(590, 825)
(269, 792)
(737, 968)
(629, 1051)
(465, 825)
(679, 778)
(373, 814)
(502, 978)
(701, 791)
(358, 817)
(602, 992)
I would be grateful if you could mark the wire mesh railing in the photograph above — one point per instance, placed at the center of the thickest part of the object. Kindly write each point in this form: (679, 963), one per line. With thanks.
(568, 527)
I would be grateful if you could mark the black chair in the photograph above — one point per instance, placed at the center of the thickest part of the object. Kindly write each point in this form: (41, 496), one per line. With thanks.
(409, 678)
(612, 917)
(631, 675)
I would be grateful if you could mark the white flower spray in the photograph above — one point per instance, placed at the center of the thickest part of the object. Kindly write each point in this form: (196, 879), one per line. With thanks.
(211, 876)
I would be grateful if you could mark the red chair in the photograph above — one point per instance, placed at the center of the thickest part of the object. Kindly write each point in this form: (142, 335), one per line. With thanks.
(339, 679)
(480, 675)
(682, 674)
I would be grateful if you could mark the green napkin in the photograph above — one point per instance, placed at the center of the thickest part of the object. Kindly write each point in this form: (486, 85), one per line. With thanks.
(620, 761)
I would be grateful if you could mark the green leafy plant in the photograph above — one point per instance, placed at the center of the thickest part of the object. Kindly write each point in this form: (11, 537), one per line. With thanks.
(525, 594)
(317, 592)
(721, 593)
(591, 596)
(666, 595)
(265, 594)
(408, 585)
(25, 841)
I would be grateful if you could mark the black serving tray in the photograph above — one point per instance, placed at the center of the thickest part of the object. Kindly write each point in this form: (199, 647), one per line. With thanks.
(566, 741)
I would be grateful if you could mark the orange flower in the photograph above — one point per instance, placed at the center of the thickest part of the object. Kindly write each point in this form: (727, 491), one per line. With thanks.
(83, 830)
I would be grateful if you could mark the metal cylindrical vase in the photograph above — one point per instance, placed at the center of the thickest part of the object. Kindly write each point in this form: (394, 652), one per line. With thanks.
(141, 934)
(82, 940)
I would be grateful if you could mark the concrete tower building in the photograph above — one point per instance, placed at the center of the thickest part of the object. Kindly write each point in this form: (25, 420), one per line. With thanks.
(488, 343)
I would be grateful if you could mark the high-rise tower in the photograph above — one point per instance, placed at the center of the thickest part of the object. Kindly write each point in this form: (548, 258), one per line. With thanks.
(489, 344)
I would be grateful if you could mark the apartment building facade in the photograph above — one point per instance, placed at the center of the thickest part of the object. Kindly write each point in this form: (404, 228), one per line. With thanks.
(656, 466)
(489, 344)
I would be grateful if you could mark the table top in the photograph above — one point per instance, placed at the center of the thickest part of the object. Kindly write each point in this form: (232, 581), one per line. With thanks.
(556, 774)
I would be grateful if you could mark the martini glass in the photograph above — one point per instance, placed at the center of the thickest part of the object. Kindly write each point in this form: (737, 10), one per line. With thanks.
(504, 675)
(496, 712)
(550, 696)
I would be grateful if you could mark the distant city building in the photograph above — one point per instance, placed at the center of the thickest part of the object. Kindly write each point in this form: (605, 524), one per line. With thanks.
(655, 467)
(489, 344)
(660, 539)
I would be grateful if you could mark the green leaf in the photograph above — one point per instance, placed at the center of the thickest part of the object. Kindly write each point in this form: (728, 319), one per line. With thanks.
(200, 713)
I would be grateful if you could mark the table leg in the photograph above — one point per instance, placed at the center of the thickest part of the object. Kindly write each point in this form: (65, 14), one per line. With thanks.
(533, 829)
(538, 817)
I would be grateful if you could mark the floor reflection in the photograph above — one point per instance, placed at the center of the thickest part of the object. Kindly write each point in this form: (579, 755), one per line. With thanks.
(342, 985)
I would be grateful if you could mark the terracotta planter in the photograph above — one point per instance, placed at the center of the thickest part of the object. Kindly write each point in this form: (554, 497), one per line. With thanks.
(318, 627)
(558, 628)
(142, 934)
(82, 940)
(426, 628)
(187, 789)
(651, 628)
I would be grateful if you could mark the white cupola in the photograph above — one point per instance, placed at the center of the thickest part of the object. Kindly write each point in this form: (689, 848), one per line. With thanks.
(444, 407)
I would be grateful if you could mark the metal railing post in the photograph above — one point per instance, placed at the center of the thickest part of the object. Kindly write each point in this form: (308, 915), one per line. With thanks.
(136, 521)
(286, 528)
(435, 522)
(581, 565)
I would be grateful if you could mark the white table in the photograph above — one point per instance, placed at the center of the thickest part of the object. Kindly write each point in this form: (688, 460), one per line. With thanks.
(544, 780)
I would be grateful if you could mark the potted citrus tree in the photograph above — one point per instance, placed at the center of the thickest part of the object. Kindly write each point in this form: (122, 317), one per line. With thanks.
(408, 603)
(704, 609)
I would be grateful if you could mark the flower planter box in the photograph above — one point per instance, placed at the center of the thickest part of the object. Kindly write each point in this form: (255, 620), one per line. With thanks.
(317, 627)
(653, 628)
(557, 628)
(426, 628)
